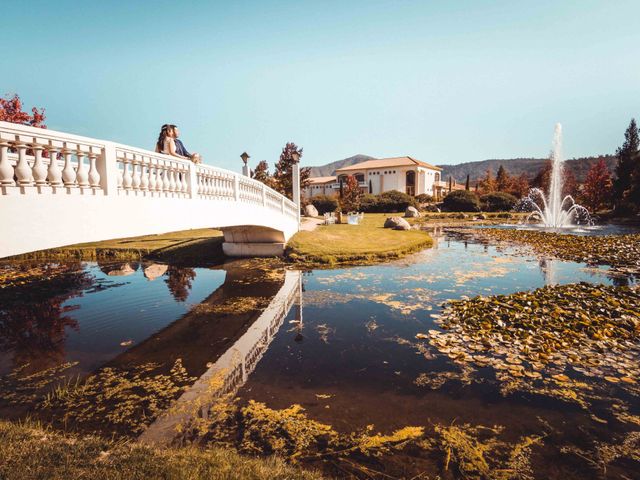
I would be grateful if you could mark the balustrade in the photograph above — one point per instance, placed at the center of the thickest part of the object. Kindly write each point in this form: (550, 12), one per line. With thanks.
(39, 161)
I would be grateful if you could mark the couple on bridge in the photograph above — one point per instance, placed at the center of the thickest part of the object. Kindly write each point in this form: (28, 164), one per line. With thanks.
(169, 144)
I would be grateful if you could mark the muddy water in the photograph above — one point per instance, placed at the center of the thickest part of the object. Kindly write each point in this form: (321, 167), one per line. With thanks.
(347, 352)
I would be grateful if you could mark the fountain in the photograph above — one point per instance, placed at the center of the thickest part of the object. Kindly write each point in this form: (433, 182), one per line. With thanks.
(554, 210)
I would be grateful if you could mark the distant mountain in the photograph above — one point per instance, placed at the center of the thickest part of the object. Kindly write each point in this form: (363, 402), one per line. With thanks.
(477, 170)
(517, 166)
(330, 168)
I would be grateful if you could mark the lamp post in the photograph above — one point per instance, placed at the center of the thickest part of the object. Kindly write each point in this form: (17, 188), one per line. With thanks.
(295, 181)
(245, 168)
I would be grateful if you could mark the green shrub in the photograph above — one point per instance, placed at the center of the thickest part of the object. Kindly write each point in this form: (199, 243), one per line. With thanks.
(368, 203)
(461, 201)
(424, 198)
(498, 202)
(325, 204)
(395, 201)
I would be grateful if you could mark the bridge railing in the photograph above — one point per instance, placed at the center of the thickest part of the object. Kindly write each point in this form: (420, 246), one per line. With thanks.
(36, 161)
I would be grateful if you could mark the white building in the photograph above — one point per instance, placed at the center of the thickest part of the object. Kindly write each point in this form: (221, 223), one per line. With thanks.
(320, 186)
(404, 174)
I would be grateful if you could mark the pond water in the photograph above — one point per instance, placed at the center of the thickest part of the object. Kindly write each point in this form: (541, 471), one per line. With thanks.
(347, 352)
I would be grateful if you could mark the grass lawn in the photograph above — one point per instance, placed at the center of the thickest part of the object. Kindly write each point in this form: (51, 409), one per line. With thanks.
(28, 451)
(355, 244)
(200, 246)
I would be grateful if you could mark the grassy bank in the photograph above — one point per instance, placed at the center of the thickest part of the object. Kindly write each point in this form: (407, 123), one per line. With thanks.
(355, 244)
(188, 247)
(31, 452)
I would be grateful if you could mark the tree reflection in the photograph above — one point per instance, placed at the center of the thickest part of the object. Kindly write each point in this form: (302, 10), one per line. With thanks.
(33, 321)
(179, 282)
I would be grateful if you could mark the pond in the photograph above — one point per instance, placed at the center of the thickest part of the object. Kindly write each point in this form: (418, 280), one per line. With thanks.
(342, 343)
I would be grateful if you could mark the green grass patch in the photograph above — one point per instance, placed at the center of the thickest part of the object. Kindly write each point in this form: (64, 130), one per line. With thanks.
(196, 247)
(29, 451)
(366, 243)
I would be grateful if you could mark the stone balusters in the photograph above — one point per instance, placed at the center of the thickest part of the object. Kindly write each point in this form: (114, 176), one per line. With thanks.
(6, 169)
(22, 170)
(82, 174)
(144, 173)
(68, 173)
(54, 174)
(39, 170)
(127, 179)
(94, 175)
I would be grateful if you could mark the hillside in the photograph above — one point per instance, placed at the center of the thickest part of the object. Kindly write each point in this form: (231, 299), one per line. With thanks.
(476, 170)
(517, 166)
(330, 168)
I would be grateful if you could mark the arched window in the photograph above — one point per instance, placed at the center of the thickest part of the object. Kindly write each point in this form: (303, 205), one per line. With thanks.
(411, 182)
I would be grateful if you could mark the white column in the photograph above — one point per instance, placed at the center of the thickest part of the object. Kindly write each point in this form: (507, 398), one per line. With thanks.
(236, 188)
(68, 173)
(107, 166)
(82, 175)
(245, 170)
(54, 175)
(192, 181)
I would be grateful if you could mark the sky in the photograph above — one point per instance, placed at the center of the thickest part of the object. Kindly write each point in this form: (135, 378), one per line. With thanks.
(443, 81)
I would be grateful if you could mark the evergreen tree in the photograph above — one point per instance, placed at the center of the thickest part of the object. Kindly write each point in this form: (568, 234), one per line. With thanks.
(503, 181)
(261, 173)
(488, 183)
(627, 160)
(284, 170)
(466, 185)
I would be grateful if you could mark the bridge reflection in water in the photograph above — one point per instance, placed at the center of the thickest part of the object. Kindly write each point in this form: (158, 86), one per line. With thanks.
(233, 367)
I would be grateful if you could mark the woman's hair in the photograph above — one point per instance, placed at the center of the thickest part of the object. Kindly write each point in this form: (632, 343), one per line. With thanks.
(164, 133)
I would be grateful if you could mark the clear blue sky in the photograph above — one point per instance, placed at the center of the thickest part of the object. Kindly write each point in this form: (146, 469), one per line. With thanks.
(444, 81)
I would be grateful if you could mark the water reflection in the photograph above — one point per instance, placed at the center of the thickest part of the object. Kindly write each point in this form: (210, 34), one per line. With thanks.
(34, 322)
(179, 282)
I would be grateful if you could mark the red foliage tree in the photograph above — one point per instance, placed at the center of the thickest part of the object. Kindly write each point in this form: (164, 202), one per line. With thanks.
(596, 191)
(351, 195)
(11, 111)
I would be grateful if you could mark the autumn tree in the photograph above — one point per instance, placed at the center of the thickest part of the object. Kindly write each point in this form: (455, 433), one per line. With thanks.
(488, 183)
(543, 177)
(519, 186)
(627, 162)
(284, 171)
(351, 195)
(11, 111)
(569, 183)
(596, 191)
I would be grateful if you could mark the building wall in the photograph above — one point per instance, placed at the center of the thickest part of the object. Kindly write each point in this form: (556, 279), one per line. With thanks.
(395, 178)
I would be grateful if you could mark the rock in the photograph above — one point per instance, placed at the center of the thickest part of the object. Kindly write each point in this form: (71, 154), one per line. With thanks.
(155, 270)
(310, 211)
(121, 271)
(397, 223)
(411, 212)
(482, 216)
(432, 208)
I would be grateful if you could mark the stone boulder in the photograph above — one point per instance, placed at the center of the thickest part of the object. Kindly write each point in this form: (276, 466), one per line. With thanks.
(411, 212)
(397, 223)
(482, 216)
(431, 208)
(310, 211)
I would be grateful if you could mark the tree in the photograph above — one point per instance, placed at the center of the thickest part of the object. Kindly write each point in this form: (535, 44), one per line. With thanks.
(488, 184)
(519, 186)
(543, 177)
(627, 160)
(261, 173)
(503, 180)
(466, 184)
(351, 195)
(11, 111)
(569, 183)
(284, 171)
(596, 192)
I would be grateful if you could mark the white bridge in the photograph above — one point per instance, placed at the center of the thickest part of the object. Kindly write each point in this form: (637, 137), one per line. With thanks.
(60, 189)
